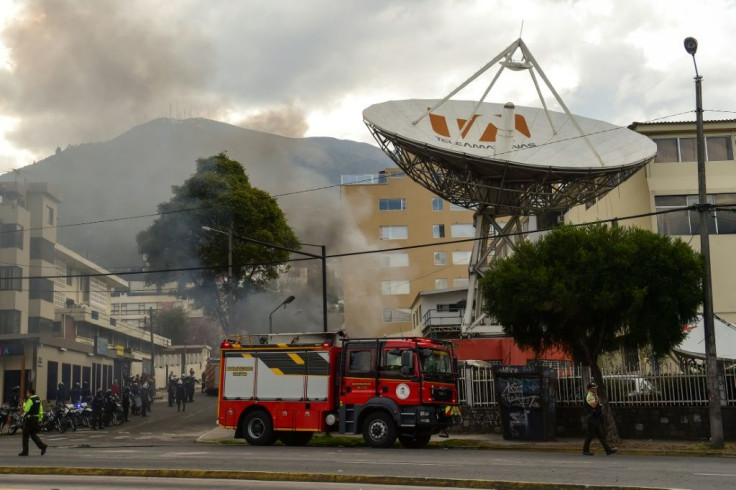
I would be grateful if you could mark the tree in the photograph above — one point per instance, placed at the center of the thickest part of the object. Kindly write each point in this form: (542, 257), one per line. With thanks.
(177, 249)
(172, 324)
(590, 290)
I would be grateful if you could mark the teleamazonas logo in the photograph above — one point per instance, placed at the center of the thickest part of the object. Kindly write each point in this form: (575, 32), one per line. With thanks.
(441, 128)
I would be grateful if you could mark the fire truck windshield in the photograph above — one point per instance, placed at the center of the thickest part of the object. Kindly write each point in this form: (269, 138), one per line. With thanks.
(436, 364)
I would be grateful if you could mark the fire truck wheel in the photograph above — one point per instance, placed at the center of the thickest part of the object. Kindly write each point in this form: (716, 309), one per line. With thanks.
(379, 430)
(417, 441)
(295, 438)
(258, 429)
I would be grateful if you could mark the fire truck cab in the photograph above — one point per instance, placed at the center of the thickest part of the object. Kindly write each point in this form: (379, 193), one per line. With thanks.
(288, 386)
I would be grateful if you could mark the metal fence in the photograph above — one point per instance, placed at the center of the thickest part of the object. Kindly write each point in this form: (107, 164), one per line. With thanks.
(629, 388)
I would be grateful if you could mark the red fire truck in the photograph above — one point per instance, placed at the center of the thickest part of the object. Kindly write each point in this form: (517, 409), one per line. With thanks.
(289, 386)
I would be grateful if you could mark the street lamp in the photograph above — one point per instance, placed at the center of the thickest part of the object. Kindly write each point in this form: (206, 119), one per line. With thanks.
(711, 365)
(270, 316)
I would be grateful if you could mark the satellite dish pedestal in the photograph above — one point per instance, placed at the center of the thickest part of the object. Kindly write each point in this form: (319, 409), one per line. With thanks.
(505, 161)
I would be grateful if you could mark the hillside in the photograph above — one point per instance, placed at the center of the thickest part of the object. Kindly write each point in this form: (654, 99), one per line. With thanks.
(110, 189)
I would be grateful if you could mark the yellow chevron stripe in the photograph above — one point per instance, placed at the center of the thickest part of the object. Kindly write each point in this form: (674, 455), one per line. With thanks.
(277, 371)
(247, 356)
(297, 359)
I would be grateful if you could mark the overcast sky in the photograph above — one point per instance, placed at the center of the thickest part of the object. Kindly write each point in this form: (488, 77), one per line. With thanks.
(80, 72)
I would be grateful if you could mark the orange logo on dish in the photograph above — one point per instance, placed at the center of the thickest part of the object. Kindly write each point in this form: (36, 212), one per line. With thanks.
(439, 126)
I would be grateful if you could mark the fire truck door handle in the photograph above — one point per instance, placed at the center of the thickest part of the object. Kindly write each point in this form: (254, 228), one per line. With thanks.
(384, 389)
(348, 389)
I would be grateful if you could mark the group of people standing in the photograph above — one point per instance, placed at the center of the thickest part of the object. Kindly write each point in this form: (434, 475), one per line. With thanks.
(181, 390)
(135, 397)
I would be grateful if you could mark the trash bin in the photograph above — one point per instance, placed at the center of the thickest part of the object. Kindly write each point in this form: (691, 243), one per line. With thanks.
(526, 398)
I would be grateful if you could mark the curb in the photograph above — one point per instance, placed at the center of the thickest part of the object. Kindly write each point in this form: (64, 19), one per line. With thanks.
(223, 436)
(309, 477)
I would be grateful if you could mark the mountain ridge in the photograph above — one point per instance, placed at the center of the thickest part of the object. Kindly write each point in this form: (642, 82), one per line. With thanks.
(110, 189)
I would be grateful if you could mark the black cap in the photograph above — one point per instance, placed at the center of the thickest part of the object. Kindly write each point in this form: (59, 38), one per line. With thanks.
(592, 385)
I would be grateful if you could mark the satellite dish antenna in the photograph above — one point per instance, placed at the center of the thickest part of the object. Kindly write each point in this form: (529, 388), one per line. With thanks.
(505, 161)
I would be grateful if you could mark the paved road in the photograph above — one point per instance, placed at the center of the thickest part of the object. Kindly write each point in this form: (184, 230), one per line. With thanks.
(167, 440)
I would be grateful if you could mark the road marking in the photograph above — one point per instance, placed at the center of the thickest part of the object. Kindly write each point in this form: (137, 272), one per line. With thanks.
(728, 475)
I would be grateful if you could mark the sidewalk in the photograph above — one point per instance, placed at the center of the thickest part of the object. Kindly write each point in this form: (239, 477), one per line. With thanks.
(566, 445)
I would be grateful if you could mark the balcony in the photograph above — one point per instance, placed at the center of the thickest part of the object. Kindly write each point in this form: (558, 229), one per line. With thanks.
(442, 324)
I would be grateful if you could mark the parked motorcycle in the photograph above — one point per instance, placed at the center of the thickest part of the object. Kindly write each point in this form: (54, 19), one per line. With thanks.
(4, 413)
(17, 420)
(51, 420)
(81, 414)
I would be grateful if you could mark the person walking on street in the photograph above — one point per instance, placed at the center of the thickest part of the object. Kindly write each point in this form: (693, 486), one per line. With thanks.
(34, 413)
(595, 422)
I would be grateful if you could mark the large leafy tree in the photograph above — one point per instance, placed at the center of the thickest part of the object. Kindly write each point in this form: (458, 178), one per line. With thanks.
(177, 249)
(590, 290)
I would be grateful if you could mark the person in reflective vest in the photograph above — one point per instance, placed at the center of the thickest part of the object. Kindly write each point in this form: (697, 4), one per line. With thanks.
(34, 414)
(595, 421)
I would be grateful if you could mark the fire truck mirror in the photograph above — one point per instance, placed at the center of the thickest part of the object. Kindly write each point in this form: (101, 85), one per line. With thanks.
(407, 360)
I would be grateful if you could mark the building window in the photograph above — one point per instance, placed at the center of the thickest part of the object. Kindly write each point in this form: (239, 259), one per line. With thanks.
(460, 283)
(397, 204)
(394, 232)
(395, 259)
(394, 287)
(11, 236)
(463, 230)
(9, 321)
(438, 231)
(687, 222)
(717, 148)
(391, 315)
(438, 204)
(461, 257)
(455, 207)
(42, 249)
(10, 278)
(451, 308)
(42, 289)
(49, 215)
(440, 283)
(440, 258)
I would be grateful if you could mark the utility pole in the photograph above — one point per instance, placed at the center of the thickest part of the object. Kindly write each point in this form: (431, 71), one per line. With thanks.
(153, 368)
(711, 360)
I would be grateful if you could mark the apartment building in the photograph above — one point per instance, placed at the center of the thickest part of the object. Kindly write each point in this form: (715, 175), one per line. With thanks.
(421, 243)
(670, 183)
(55, 315)
(139, 301)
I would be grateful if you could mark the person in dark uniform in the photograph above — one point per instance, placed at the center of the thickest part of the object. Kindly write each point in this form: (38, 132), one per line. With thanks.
(85, 394)
(76, 393)
(126, 402)
(110, 406)
(595, 422)
(98, 405)
(14, 400)
(61, 395)
(181, 396)
(34, 413)
(144, 399)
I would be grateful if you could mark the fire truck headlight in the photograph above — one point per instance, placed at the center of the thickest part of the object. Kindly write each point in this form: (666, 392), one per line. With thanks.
(330, 419)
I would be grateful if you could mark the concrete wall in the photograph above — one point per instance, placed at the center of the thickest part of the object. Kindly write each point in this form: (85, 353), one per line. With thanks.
(673, 423)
